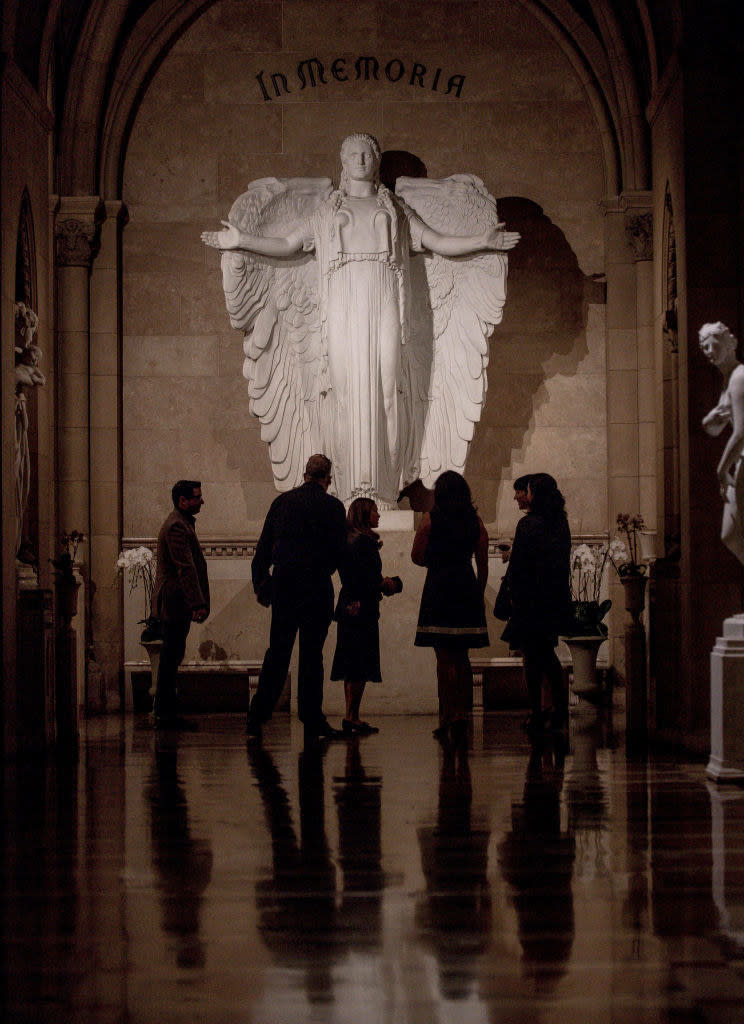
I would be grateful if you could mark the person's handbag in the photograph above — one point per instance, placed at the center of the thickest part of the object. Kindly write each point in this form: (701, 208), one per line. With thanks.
(502, 608)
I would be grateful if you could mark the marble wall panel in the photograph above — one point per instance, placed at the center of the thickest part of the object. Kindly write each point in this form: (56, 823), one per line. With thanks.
(309, 24)
(104, 506)
(622, 398)
(647, 449)
(104, 453)
(73, 400)
(104, 402)
(622, 350)
(234, 25)
(73, 352)
(148, 247)
(319, 128)
(151, 303)
(104, 354)
(579, 399)
(186, 355)
(622, 449)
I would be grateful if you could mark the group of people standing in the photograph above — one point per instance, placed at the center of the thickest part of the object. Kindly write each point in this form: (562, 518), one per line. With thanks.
(308, 535)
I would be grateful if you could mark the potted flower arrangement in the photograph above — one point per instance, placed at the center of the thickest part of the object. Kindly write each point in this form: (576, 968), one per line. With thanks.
(138, 565)
(587, 611)
(585, 631)
(628, 561)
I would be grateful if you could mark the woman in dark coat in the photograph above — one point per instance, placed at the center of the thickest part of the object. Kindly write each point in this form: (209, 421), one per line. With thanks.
(452, 616)
(357, 656)
(539, 588)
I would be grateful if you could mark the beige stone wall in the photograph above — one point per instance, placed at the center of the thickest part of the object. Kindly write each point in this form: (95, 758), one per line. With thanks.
(523, 123)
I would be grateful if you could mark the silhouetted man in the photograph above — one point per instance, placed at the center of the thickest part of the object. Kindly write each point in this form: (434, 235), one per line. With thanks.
(303, 537)
(180, 595)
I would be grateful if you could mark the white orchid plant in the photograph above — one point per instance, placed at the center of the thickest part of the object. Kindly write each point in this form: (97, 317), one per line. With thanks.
(138, 566)
(628, 562)
(588, 562)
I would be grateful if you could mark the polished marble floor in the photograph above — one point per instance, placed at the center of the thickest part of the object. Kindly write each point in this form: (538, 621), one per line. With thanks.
(190, 878)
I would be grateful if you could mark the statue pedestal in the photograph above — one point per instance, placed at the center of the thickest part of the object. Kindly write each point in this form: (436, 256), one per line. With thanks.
(726, 762)
(727, 821)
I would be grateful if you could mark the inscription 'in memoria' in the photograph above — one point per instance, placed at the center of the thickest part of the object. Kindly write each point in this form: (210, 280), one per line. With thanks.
(312, 72)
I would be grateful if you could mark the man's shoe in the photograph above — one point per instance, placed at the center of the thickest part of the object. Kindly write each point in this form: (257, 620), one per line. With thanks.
(322, 731)
(253, 729)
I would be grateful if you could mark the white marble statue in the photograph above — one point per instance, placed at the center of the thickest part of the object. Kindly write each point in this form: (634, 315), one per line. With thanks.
(27, 375)
(719, 346)
(365, 352)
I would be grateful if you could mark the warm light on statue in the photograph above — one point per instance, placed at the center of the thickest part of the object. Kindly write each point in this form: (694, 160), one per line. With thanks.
(375, 351)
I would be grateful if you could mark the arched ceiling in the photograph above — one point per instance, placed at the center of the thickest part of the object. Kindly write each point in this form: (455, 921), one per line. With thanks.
(113, 47)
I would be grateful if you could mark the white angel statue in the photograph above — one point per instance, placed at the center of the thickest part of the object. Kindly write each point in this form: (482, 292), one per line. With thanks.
(366, 353)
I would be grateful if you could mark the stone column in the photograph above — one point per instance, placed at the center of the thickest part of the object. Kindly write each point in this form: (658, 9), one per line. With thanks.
(639, 236)
(106, 642)
(76, 245)
(631, 428)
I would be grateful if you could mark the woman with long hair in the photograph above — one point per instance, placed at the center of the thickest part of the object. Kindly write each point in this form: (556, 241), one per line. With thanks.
(539, 587)
(452, 617)
(357, 656)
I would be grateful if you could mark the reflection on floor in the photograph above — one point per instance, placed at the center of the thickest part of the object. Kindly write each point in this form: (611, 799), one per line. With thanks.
(160, 878)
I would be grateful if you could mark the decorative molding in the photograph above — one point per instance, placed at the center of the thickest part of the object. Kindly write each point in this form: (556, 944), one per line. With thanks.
(218, 547)
(245, 547)
(76, 242)
(576, 538)
(639, 234)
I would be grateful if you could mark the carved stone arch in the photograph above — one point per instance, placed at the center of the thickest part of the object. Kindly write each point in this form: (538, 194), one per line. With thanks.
(145, 49)
(600, 57)
(84, 102)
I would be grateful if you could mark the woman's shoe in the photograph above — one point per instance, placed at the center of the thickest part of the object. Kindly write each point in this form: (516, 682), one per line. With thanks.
(358, 728)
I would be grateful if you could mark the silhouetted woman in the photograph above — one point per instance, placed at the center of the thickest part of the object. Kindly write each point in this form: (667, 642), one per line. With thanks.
(357, 657)
(539, 587)
(452, 617)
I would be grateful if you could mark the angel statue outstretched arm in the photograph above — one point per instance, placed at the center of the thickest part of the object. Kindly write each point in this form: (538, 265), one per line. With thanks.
(457, 304)
(231, 237)
(326, 338)
(494, 238)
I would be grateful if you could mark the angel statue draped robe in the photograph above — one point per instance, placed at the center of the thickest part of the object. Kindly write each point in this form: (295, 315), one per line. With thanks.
(362, 343)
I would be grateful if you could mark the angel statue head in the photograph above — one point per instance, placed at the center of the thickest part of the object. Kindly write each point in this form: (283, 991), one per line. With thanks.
(360, 159)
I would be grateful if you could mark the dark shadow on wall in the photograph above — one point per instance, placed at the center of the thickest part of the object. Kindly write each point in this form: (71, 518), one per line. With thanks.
(545, 316)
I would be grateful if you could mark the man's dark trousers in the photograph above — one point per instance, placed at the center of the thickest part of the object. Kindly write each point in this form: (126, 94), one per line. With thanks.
(307, 611)
(174, 633)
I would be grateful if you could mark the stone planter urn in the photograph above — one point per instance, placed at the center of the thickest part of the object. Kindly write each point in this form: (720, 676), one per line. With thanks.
(584, 651)
(153, 648)
(66, 586)
(635, 595)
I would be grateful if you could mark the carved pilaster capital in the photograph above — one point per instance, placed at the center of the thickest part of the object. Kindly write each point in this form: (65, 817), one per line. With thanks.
(77, 230)
(639, 234)
(76, 242)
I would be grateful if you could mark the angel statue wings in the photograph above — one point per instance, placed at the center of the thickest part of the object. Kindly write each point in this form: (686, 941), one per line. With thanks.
(366, 316)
